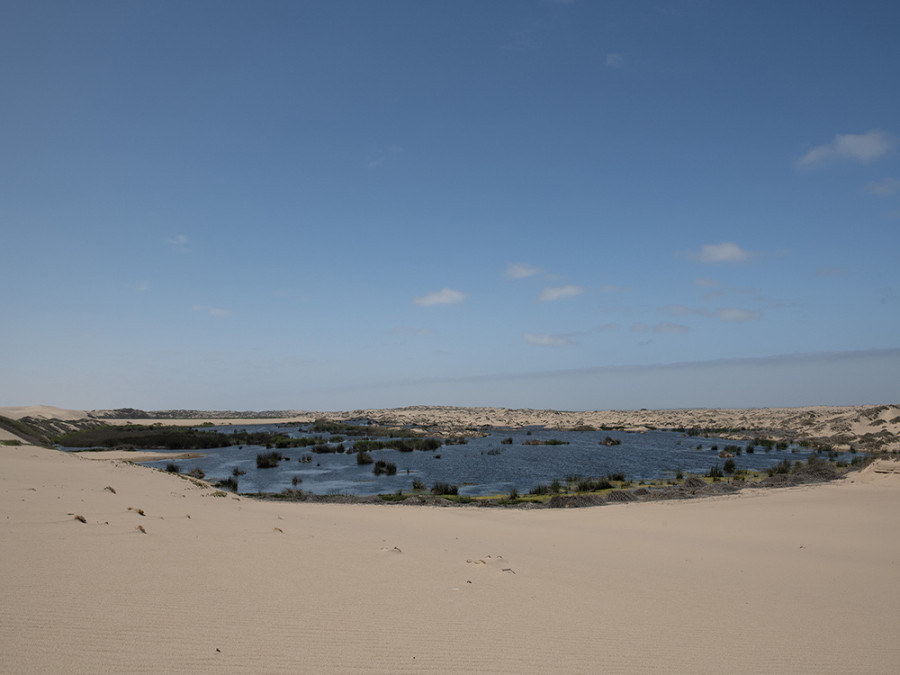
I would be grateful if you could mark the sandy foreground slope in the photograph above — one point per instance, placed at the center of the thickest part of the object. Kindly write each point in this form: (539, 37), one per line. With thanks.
(794, 580)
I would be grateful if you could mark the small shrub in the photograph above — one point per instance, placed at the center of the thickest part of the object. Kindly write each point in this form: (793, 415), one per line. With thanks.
(418, 484)
(172, 467)
(591, 485)
(268, 460)
(513, 494)
(619, 476)
(237, 472)
(728, 467)
(363, 457)
(507, 441)
(296, 480)
(229, 483)
(385, 468)
(444, 489)
(784, 466)
(197, 473)
(715, 472)
(679, 475)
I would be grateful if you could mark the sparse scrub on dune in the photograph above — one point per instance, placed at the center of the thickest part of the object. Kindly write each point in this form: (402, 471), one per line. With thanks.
(197, 473)
(592, 485)
(782, 467)
(172, 467)
(229, 483)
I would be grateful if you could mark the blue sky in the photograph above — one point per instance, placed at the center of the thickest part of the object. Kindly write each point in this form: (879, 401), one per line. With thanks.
(334, 205)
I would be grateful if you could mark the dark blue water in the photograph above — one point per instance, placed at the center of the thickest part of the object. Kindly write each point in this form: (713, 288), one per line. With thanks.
(483, 466)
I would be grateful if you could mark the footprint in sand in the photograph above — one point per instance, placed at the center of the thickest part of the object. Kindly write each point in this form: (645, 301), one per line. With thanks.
(493, 561)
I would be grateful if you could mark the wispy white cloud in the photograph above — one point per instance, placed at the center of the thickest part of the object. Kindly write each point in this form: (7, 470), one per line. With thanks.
(886, 187)
(680, 310)
(521, 271)
(178, 240)
(142, 287)
(666, 327)
(736, 314)
(552, 293)
(548, 340)
(862, 148)
(212, 311)
(724, 252)
(610, 288)
(660, 328)
(614, 60)
(445, 296)
(383, 156)
(609, 327)
(722, 313)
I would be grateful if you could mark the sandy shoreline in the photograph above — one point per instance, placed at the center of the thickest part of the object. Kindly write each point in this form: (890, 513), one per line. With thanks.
(790, 580)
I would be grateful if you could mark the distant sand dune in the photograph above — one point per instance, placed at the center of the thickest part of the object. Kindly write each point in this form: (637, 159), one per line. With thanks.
(872, 427)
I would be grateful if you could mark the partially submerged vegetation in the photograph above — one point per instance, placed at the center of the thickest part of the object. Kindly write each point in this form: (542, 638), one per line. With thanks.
(577, 491)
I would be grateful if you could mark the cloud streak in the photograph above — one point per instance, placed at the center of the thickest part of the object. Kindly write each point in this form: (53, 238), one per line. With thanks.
(863, 148)
(548, 340)
(886, 187)
(212, 311)
(520, 271)
(553, 293)
(445, 296)
(734, 314)
(724, 252)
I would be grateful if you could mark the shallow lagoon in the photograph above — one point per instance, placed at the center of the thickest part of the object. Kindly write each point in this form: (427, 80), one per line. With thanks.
(483, 466)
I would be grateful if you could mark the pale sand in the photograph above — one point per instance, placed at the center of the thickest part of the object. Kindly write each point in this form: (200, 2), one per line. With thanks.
(794, 580)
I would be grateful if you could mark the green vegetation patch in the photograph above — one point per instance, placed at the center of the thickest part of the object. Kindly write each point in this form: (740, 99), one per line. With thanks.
(145, 437)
